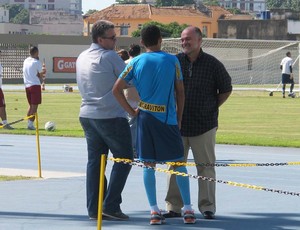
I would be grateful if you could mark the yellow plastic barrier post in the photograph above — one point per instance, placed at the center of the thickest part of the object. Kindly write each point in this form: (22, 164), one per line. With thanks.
(38, 145)
(101, 191)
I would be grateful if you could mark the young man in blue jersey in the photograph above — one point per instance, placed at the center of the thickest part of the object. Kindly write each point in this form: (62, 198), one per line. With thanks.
(157, 78)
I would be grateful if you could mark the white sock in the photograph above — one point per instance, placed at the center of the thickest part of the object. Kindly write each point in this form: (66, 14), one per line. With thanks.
(4, 122)
(30, 122)
(187, 208)
(155, 208)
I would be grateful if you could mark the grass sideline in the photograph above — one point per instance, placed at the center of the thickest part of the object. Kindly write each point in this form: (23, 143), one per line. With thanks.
(247, 118)
(12, 178)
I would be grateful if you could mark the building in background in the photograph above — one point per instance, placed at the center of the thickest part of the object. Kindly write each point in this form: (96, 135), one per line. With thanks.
(57, 22)
(70, 6)
(245, 5)
(50, 17)
(130, 17)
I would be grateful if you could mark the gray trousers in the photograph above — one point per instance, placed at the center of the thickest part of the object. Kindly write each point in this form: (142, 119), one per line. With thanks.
(203, 149)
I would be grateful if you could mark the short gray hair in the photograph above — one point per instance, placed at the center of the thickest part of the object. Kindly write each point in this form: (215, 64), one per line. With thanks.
(99, 28)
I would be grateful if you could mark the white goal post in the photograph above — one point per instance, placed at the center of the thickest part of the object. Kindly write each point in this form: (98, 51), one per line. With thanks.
(249, 62)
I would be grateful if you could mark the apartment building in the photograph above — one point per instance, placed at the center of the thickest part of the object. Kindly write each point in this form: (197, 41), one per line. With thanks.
(245, 5)
(70, 6)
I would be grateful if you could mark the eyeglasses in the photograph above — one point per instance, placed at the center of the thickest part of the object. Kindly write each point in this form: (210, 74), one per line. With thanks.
(110, 38)
(190, 69)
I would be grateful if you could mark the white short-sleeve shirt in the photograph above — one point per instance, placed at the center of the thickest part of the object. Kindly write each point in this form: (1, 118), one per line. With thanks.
(31, 68)
(286, 63)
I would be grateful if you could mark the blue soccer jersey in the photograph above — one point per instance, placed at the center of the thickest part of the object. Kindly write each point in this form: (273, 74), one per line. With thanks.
(154, 75)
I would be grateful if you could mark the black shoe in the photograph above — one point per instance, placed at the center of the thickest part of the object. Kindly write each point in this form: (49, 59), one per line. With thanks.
(208, 215)
(171, 214)
(115, 215)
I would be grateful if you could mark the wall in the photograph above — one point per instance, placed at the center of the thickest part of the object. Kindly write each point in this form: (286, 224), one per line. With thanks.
(293, 27)
(134, 25)
(10, 28)
(189, 20)
(253, 29)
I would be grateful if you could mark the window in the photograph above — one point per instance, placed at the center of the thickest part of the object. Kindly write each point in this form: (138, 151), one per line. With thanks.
(31, 0)
(204, 31)
(32, 6)
(41, 7)
(251, 6)
(50, 6)
(19, 0)
(124, 30)
(50, 0)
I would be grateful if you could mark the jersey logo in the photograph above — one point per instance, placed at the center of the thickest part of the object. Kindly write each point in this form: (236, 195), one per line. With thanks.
(152, 107)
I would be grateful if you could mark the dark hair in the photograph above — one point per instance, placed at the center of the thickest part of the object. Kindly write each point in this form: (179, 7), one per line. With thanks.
(123, 54)
(33, 50)
(134, 50)
(150, 35)
(288, 53)
(99, 29)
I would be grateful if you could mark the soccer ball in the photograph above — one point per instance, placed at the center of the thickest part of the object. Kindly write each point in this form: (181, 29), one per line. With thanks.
(292, 95)
(50, 126)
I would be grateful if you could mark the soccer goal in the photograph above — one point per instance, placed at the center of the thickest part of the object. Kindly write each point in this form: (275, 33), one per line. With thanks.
(252, 64)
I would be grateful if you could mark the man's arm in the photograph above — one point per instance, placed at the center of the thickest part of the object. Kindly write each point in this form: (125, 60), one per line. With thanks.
(179, 89)
(222, 97)
(117, 90)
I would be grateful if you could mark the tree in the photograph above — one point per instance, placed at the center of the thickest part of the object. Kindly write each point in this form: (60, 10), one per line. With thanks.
(21, 18)
(127, 1)
(234, 10)
(173, 2)
(17, 14)
(285, 4)
(171, 30)
(89, 12)
(13, 10)
(211, 2)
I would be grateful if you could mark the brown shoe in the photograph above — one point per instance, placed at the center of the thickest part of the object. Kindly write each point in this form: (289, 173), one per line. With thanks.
(208, 215)
(171, 214)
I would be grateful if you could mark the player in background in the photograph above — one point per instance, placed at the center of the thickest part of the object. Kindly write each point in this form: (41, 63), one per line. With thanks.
(3, 116)
(33, 73)
(287, 77)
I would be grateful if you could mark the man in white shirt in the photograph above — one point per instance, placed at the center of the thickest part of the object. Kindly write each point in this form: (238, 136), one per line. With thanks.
(32, 74)
(3, 116)
(286, 67)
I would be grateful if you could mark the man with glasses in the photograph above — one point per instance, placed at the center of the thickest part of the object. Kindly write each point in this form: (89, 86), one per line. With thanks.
(207, 86)
(103, 119)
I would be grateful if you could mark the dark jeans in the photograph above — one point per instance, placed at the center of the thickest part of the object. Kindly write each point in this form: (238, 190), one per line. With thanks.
(103, 135)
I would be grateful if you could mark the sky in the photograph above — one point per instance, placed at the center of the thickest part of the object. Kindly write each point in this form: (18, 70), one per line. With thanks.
(95, 4)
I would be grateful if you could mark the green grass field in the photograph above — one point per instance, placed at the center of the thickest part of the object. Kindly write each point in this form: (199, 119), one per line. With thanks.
(247, 118)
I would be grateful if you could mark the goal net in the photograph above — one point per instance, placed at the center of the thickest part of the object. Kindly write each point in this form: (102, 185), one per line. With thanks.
(250, 63)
